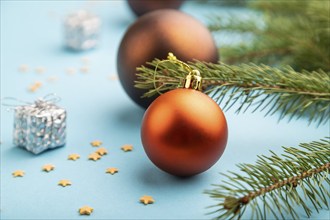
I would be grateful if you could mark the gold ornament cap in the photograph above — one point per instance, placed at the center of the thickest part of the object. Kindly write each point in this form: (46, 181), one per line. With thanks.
(194, 79)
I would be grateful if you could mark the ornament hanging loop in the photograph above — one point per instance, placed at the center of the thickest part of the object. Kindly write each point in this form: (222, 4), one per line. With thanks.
(192, 81)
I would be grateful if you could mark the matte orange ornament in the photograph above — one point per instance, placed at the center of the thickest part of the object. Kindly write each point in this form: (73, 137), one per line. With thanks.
(184, 132)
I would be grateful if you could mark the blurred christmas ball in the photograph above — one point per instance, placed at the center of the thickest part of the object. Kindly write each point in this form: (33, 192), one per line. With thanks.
(140, 7)
(155, 34)
(184, 132)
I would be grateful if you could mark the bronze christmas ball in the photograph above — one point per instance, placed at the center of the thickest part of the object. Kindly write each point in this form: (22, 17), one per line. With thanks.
(154, 35)
(140, 7)
(184, 132)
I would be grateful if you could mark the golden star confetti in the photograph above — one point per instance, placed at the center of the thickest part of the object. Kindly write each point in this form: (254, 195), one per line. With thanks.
(112, 170)
(127, 147)
(147, 200)
(84, 69)
(96, 143)
(48, 167)
(86, 210)
(101, 151)
(85, 60)
(40, 69)
(52, 79)
(64, 183)
(73, 156)
(23, 68)
(94, 156)
(35, 86)
(18, 173)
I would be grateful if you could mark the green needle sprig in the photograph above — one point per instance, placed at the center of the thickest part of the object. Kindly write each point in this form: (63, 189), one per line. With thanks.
(270, 187)
(256, 87)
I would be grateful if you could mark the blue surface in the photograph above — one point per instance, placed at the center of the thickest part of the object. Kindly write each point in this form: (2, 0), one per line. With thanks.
(98, 108)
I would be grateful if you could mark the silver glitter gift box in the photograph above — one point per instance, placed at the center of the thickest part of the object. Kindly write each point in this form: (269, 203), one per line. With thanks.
(39, 126)
(81, 30)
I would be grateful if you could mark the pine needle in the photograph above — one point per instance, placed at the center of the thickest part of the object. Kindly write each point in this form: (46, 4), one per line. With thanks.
(258, 87)
(294, 33)
(269, 188)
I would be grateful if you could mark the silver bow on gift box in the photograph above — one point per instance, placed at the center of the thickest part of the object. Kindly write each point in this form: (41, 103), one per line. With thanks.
(39, 126)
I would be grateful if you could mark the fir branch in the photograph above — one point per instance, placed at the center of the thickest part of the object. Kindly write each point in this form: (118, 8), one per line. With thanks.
(298, 30)
(272, 184)
(265, 88)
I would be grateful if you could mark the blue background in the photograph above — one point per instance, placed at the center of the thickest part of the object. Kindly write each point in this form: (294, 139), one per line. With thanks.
(98, 108)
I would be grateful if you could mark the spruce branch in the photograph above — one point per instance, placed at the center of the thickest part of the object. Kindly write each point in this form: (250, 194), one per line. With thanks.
(256, 87)
(273, 184)
(297, 32)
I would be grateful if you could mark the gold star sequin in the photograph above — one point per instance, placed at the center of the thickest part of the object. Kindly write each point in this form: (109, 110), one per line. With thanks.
(64, 183)
(18, 173)
(101, 151)
(40, 69)
(84, 69)
(48, 167)
(23, 68)
(52, 79)
(112, 170)
(35, 86)
(86, 210)
(73, 156)
(147, 200)
(94, 156)
(127, 147)
(96, 143)
(85, 60)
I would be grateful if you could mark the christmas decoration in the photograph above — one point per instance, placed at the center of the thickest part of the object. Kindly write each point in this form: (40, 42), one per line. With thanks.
(306, 167)
(48, 167)
(147, 200)
(64, 183)
(271, 89)
(127, 147)
(94, 156)
(35, 86)
(96, 143)
(112, 170)
(18, 173)
(164, 31)
(81, 30)
(101, 151)
(39, 126)
(184, 132)
(73, 157)
(261, 87)
(86, 210)
(140, 7)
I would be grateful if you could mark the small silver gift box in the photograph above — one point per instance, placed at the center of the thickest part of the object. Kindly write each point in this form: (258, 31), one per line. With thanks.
(39, 126)
(81, 30)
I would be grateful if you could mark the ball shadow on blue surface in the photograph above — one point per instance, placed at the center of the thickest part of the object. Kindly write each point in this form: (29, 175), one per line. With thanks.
(153, 177)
